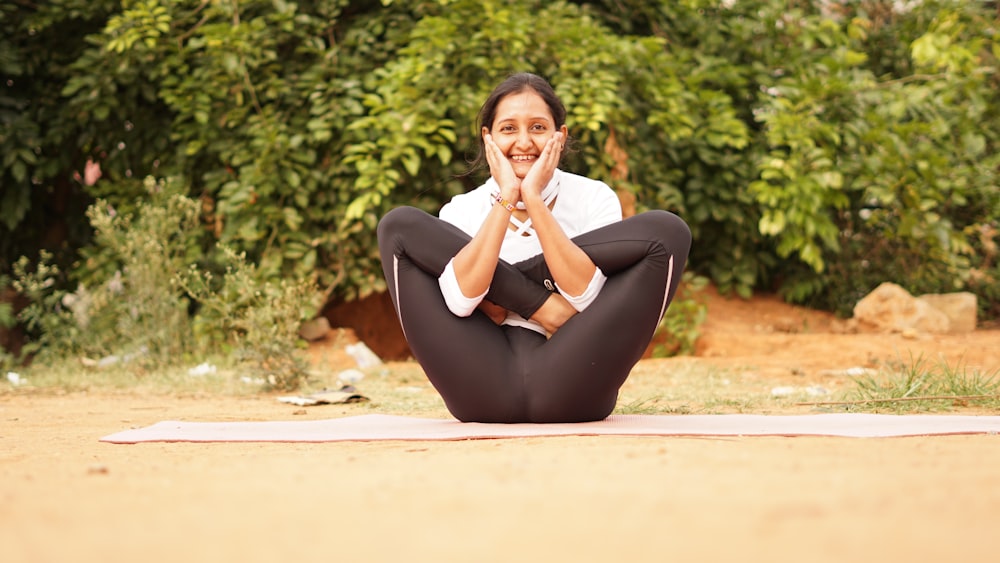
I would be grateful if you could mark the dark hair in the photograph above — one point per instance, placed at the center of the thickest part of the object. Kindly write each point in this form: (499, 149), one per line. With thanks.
(515, 84)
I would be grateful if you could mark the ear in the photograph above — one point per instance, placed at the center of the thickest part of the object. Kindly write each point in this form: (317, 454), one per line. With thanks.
(486, 131)
(565, 131)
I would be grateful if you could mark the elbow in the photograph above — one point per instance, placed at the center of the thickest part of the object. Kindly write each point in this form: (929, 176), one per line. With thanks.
(457, 302)
(583, 300)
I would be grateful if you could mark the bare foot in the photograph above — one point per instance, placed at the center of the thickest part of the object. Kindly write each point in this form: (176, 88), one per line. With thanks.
(554, 313)
(495, 312)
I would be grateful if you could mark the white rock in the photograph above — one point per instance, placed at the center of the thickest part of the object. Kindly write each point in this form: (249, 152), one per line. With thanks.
(363, 355)
(856, 371)
(201, 369)
(816, 391)
(960, 307)
(891, 308)
(782, 391)
(350, 376)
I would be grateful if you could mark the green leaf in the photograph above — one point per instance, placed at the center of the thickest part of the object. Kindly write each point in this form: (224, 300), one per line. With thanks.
(411, 161)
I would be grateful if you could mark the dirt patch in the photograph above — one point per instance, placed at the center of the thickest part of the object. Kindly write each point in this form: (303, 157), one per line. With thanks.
(65, 496)
(769, 332)
(762, 331)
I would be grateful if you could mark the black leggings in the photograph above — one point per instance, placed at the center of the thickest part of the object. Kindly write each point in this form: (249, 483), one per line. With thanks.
(490, 373)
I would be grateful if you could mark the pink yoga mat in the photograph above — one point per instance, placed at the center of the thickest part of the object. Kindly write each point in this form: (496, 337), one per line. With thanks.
(389, 427)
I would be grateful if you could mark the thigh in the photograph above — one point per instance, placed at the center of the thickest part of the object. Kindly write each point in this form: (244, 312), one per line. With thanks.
(577, 373)
(468, 360)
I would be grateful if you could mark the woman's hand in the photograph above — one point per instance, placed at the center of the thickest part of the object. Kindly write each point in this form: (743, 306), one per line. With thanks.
(541, 171)
(502, 171)
(553, 313)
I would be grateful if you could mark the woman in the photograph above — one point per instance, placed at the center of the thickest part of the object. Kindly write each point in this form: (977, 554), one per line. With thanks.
(529, 299)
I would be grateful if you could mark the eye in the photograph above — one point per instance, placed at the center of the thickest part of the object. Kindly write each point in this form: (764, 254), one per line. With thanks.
(539, 127)
(506, 128)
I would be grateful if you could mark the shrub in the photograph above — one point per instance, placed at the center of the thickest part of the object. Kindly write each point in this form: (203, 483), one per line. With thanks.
(151, 297)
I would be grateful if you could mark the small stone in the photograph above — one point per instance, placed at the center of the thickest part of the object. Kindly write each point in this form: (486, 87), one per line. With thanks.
(315, 329)
(817, 391)
(350, 376)
(201, 370)
(782, 391)
(856, 371)
(363, 355)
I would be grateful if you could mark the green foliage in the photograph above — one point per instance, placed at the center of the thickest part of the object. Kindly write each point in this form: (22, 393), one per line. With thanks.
(45, 317)
(147, 273)
(131, 310)
(892, 172)
(261, 320)
(681, 325)
(7, 319)
(817, 148)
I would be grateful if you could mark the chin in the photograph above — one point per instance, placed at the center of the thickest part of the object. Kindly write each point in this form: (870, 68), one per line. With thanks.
(521, 170)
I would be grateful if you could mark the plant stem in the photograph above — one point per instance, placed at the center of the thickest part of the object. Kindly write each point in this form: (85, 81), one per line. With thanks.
(903, 399)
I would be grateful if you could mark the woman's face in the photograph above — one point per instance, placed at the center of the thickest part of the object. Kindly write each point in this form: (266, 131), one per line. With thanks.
(522, 126)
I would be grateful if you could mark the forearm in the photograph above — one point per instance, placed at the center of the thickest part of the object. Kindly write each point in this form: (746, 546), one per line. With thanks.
(571, 268)
(475, 264)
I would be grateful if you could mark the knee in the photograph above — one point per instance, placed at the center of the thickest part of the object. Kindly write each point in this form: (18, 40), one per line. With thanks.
(669, 228)
(397, 221)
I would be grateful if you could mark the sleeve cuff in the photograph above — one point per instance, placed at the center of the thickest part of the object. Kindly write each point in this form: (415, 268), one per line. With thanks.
(583, 301)
(458, 304)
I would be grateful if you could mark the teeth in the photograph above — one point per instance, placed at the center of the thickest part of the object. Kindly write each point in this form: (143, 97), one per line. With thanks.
(522, 158)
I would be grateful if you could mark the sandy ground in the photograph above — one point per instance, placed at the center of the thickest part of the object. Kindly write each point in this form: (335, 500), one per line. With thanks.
(65, 496)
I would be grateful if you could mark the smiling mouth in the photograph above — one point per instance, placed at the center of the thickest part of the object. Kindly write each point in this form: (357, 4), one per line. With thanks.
(523, 158)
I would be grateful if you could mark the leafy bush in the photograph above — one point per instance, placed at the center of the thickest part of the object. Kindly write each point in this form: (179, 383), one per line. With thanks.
(260, 320)
(883, 177)
(131, 308)
(151, 299)
(681, 325)
(815, 148)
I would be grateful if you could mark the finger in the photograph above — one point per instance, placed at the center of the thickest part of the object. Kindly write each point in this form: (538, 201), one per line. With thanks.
(549, 154)
(493, 157)
(548, 161)
(555, 147)
(490, 149)
(501, 169)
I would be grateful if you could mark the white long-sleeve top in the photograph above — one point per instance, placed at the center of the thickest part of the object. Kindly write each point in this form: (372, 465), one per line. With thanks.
(582, 205)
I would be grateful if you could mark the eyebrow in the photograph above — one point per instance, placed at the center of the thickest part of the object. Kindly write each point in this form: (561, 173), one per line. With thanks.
(536, 118)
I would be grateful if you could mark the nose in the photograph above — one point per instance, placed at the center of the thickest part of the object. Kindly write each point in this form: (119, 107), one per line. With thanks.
(523, 141)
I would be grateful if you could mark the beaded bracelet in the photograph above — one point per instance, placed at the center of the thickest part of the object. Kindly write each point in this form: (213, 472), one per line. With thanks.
(503, 202)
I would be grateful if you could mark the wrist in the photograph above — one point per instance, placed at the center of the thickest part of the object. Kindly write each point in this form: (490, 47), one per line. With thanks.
(502, 201)
(532, 200)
